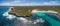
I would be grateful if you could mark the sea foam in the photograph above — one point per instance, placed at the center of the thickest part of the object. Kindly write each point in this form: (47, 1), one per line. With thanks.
(9, 16)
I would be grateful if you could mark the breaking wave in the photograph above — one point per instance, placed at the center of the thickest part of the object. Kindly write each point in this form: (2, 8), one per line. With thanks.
(24, 20)
(9, 16)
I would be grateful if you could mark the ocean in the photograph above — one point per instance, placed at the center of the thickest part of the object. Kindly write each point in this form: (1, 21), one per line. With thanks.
(7, 19)
(3, 20)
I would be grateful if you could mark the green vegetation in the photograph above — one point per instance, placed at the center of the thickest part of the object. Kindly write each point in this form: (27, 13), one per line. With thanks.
(26, 10)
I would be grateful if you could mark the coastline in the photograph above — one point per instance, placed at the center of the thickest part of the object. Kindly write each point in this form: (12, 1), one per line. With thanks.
(19, 14)
(14, 13)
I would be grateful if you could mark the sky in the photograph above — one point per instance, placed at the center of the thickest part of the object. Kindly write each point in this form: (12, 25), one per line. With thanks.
(29, 2)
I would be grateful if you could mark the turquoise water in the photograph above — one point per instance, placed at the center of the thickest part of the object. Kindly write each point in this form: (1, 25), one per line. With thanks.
(6, 22)
(52, 21)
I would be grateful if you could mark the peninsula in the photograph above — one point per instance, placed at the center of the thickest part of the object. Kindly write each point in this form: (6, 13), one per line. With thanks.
(26, 10)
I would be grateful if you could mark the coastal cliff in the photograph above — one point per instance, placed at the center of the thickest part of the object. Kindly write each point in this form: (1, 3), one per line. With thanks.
(26, 10)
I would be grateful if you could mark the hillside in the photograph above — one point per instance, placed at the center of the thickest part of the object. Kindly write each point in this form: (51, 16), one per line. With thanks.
(26, 10)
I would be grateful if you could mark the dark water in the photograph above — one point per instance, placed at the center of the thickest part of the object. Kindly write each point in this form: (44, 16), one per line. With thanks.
(3, 20)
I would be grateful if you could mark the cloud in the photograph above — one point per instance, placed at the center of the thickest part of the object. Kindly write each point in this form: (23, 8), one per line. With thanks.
(20, 3)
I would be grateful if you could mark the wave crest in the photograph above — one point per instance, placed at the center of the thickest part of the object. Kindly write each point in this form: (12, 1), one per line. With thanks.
(9, 16)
